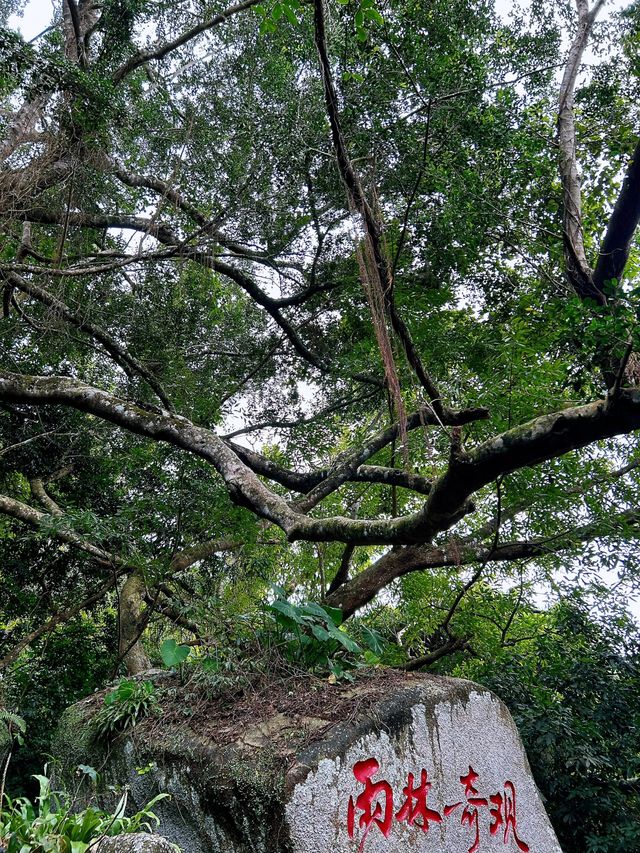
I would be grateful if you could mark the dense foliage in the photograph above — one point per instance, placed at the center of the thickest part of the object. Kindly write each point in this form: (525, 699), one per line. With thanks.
(573, 693)
(340, 297)
(55, 825)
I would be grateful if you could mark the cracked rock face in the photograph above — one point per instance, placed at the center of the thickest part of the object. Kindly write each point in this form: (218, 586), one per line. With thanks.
(428, 764)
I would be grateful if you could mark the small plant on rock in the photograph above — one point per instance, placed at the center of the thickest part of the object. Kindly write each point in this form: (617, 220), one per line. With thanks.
(312, 635)
(124, 707)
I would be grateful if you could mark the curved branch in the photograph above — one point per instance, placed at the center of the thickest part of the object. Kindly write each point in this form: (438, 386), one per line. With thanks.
(450, 647)
(392, 477)
(242, 484)
(40, 494)
(160, 50)
(544, 438)
(403, 561)
(349, 466)
(187, 557)
(110, 344)
(342, 575)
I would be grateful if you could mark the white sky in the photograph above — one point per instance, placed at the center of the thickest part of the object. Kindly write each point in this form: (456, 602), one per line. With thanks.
(38, 14)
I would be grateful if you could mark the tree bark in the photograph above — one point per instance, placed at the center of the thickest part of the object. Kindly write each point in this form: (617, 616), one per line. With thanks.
(133, 615)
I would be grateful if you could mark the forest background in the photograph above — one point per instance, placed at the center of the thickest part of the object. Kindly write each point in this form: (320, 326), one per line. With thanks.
(322, 312)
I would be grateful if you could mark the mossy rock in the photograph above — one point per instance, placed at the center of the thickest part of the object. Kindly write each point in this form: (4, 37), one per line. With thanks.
(74, 744)
(134, 842)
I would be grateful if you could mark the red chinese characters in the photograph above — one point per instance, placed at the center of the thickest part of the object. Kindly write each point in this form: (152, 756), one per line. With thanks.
(374, 807)
(410, 811)
(374, 812)
(503, 813)
(470, 813)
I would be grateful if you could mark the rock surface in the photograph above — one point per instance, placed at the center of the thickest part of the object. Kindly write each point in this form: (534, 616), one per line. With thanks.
(420, 762)
(134, 842)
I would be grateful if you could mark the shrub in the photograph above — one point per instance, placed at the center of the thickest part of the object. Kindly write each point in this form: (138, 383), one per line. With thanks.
(124, 707)
(52, 827)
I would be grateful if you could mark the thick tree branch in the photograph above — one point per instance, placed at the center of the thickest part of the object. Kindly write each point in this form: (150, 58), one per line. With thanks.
(578, 269)
(616, 245)
(243, 485)
(450, 647)
(187, 557)
(392, 477)
(75, 40)
(40, 494)
(349, 466)
(546, 437)
(399, 562)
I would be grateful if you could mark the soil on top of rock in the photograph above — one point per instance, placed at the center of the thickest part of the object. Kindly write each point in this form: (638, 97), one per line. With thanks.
(250, 710)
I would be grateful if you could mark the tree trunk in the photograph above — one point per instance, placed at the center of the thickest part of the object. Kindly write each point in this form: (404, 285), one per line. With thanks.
(134, 615)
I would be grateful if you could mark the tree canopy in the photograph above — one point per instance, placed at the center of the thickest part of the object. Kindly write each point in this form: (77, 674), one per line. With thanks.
(335, 295)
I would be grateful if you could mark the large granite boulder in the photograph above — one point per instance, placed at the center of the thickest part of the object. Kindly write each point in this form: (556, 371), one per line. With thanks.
(392, 763)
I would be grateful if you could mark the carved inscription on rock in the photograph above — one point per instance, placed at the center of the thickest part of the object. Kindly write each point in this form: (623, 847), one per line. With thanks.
(374, 807)
(443, 775)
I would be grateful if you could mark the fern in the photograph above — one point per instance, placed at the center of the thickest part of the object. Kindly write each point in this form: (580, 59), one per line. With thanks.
(15, 725)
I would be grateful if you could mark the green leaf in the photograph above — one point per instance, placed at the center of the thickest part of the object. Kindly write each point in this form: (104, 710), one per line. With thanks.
(290, 15)
(267, 26)
(89, 771)
(374, 15)
(373, 640)
(343, 638)
(335, 614)
(289, 610)
(172, 654)
(320, 633)
(313, 609)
